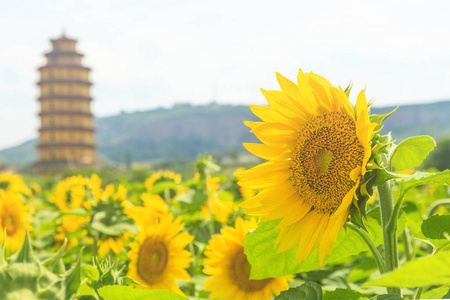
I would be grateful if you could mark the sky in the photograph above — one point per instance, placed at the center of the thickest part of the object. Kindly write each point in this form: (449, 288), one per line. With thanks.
(149, 54)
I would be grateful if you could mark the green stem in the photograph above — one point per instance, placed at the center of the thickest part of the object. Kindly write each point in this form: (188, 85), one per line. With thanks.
(389, 232)
(418, 293)
(376, 255)
(435, 205)
(409, 250)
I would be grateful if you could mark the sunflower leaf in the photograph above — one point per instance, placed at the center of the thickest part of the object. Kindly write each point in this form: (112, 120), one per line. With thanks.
(117, 292)
(259, 246)
(343, 294)
(386, 297)
(307, 291)
(411, 152)
(427, 271)
(436, 226)
(421, 178)
(437, 293)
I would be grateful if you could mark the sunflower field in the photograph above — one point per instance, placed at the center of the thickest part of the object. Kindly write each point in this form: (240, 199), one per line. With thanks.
(335, 210)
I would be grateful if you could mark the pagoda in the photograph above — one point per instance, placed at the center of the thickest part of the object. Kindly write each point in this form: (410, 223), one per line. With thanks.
(66, 133)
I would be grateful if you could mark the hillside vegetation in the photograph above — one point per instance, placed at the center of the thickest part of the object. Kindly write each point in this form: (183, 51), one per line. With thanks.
(184, 131)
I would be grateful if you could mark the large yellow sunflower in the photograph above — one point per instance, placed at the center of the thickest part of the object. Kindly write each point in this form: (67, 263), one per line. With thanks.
(158, 258)
(227, 264)
(317, 146)
(14, 213)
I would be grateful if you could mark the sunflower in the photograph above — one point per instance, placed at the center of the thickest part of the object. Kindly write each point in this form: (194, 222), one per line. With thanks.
(113, 243)
(158, 258)
(13, 213)
(317, 146)
(153, 209)
(14, 183)
(70, 193)
(227, 263)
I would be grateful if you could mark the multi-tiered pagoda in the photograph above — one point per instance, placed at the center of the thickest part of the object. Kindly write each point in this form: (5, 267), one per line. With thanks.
(66, 133)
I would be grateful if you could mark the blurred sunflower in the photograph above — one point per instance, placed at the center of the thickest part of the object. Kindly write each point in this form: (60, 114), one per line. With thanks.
(13, 213)
(164, 183)
(69, 224)
(317, 146)
(113, 243)
(70, 193)
(227, 264)
(220, 209)
(14, 183)
(158, 258)
(152, 210)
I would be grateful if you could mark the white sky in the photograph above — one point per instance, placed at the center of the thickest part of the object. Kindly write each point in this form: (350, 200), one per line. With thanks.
(146, 54)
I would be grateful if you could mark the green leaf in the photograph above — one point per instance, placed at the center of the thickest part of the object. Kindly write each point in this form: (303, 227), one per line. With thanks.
(411, 152)
(117, 292)
(421, 178)
(90, 273)
(162, 185)
(346, 294)
(386, 297)
(435, 227)
(418, 273)
(259, 246)
(436, 293)
(362, 271)
(307, 291)
(129, 281)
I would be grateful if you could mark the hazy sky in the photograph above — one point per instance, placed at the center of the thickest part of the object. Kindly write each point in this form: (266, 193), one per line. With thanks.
(146, 54)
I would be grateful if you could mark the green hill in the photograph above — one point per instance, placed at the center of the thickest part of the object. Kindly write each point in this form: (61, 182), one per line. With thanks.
(184, 131)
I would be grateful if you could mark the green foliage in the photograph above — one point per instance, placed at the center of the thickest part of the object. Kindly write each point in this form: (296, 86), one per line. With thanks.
(307, 291)
(115, 292)
(411, 152)
(418, 273)
(346, 294)
(436, 293)
(436, 227)
(440, 157)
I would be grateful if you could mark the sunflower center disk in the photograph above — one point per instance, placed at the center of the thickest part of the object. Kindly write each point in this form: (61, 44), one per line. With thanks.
(240, 273)
(152, 259)
(327, 149)
(8, 222)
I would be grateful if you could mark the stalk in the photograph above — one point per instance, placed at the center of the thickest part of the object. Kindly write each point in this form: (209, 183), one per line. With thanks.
(389, 225)
(376, 255)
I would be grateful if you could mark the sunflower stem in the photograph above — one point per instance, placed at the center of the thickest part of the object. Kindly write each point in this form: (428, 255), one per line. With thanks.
(409, 250)
(418, 293)
(376, 255)
(389, 231)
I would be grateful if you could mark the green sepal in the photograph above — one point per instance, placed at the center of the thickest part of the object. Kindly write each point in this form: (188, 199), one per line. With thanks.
(356, 217)
(348, 89)
(54, 263)
(25, 254)
(379, 119)
(383, 175)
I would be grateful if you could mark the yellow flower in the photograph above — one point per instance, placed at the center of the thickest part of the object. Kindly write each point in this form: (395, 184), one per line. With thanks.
(114, 243)
(69, 224)
(317, 146)
(154, 208)
(158, 258)
(70, 193)
(162, 176)
(14, 183)
(13, 213)
(227, 263)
